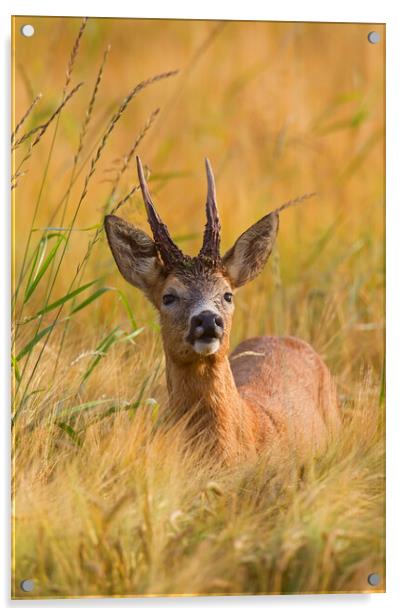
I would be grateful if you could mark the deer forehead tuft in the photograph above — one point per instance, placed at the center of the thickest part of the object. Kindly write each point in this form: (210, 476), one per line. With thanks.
(187, 279)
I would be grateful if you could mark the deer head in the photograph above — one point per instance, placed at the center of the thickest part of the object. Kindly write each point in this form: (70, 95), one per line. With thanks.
(194, 295)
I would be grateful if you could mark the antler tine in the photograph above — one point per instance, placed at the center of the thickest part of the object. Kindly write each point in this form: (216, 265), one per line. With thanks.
(169, 252)
(212, 233)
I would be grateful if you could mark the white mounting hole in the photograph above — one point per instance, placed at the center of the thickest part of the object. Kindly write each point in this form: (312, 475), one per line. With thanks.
(27, 585)
(373, 579)
(373, 37)
(27, 30)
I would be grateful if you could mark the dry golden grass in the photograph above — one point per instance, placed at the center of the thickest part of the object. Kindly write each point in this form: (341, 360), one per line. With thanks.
(106, 501)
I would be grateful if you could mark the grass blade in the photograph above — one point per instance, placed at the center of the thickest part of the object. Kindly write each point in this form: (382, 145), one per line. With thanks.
(123, 298)
(91, 299)
(101, 350)
(114, 336)
(14, 364)
(33, 283)
(37, 259)
(132, 335)
(71, 433)
(28, 347)
(61, 300)
(85, 406)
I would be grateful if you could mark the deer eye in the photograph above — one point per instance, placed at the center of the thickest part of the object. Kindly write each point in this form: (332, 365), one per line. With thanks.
(168, 299)
(228, 297)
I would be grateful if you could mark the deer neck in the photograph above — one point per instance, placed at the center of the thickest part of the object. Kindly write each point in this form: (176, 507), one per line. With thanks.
(205, 393)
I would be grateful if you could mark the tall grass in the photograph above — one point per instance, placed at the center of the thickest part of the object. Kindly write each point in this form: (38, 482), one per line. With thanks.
(106, 500)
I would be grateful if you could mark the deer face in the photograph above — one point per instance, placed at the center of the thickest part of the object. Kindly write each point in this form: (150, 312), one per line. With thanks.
(194, 295)
(196, 307)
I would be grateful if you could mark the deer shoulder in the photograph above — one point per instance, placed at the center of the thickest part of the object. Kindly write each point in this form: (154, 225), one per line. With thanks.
(289, 387)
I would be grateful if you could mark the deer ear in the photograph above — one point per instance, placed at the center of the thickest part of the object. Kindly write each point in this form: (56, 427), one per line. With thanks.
(134, 252)
(245, 260)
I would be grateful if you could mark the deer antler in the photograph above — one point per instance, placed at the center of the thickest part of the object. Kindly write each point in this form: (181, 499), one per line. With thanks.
(212, 233)
(169, 252)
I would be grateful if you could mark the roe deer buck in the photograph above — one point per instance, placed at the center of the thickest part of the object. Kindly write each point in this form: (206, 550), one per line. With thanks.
(271, 389)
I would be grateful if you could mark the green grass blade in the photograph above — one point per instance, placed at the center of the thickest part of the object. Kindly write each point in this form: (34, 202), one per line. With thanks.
(92, 228)
(123, 298)
(101, 350)
(116, 335)
(91, 299)
(129, 337)
(33, 282)
(28, 347)
(37, 259)
(71, 433)
(14, 363)
(62, 300)
(85, 406)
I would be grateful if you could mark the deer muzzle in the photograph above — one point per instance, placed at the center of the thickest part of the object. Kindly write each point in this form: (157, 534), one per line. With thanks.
(206, 332)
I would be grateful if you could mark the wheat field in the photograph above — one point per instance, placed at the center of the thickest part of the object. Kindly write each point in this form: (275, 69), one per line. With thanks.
(105, 501)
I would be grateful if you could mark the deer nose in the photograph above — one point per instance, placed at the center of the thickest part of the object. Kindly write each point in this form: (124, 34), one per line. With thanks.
(206, 324)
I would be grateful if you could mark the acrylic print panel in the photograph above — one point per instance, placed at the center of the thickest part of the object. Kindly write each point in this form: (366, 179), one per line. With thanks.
(146, 462)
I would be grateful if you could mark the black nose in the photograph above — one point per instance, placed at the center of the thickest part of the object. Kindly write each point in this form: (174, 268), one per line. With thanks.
(206, 325)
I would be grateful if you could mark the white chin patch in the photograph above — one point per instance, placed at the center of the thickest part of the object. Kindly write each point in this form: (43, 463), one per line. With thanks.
(206, 348)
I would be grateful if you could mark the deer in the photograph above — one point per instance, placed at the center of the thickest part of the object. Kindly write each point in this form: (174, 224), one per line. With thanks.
(271, 389)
